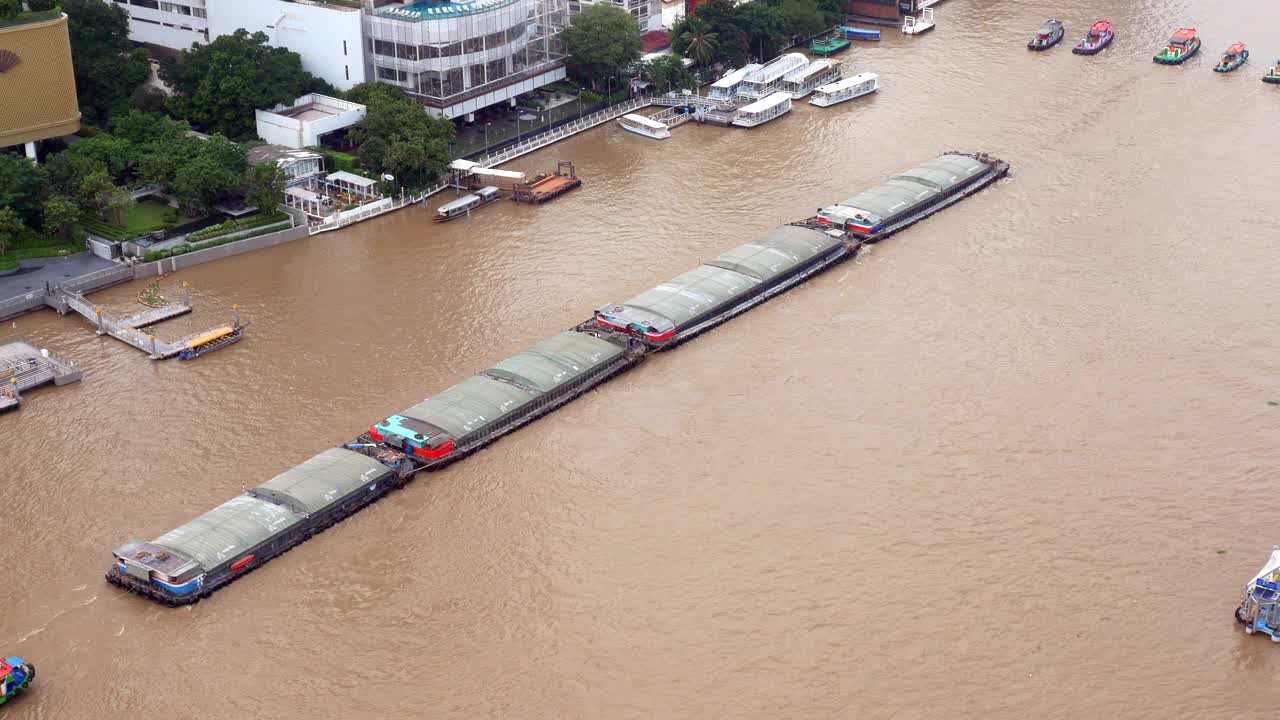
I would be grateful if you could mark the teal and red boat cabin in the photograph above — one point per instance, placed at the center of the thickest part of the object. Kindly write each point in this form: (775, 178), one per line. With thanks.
(15, 675)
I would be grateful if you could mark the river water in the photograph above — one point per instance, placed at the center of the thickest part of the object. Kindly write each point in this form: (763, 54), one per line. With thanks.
(1016, 461)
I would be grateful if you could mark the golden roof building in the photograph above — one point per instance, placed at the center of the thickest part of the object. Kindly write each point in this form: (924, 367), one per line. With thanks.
(37, 83)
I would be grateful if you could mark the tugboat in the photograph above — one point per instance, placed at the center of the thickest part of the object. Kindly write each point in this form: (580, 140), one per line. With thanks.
(1233, 58)
(1273, 74)
(15, 675)
(1099, 37)
(1262, 599)
(1050, 34)
(1182, 46)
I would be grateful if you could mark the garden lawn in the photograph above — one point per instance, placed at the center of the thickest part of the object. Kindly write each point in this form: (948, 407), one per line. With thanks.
(148, 215)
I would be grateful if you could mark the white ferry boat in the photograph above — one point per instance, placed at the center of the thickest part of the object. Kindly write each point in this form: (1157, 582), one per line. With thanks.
(465, 204)
(762, 111)
(726, 88)
(641, 125)
(802, 81)
(847, 89)
(768, 79)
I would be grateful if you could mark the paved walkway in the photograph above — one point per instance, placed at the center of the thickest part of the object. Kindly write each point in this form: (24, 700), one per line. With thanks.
(57, 271)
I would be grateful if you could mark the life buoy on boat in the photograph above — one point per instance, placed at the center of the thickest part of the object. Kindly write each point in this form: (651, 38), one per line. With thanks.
(1248, 628)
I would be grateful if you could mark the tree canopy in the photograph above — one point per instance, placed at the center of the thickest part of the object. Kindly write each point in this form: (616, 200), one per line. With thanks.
(107, 67)
(397, 136)
(21, 187)
(221, 83)
(602, 41)
(720, 31)
(669, 74)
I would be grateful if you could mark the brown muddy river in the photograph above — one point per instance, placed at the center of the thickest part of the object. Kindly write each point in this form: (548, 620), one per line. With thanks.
(1017, 461)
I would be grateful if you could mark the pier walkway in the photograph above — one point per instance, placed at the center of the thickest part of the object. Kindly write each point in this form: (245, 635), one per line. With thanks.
(22, 367)
(127, 330)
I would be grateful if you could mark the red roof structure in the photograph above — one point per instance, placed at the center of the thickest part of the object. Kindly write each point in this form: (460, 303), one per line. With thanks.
(655, 41)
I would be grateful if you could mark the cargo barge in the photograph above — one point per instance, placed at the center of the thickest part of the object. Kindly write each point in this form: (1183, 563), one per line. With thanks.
(193, 560)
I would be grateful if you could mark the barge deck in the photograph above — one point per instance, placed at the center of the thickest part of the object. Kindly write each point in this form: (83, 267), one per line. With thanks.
(190, 562)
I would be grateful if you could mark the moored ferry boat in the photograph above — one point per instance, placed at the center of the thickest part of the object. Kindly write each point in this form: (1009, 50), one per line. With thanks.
(1234, 57)
(1050, 34)
(1273, 74)
(726, 88)
(767, 79)
(455, 209)
(16, 675)
(648, 127)
(846, 89)
(1098, 37)
(207, 342)
(1184, 44)
(762, 111)
(799, 83)
(857, 33)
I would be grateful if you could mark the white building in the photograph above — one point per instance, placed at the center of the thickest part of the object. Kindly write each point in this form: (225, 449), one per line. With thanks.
(309, 117)
(296, 164)
(460, 57)
(327, 35)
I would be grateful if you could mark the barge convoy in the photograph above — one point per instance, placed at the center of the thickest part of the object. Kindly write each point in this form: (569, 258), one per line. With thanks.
(193, 560)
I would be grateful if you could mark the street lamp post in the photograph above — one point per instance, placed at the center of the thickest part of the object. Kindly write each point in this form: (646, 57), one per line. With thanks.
(609, 92)
(486, 138)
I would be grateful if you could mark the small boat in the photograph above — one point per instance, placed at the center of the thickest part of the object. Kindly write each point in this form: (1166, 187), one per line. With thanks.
(763, 110)
(1273, 74)
(857, 33)
(847, 89)
(648, 127)
(1233, 58)
(912, 25)
(1098, 37)
(1260, 604)
(15, 675)
(207, 342)
(1181, 47)
(1050, 34)
(457, 208)
(828, 46)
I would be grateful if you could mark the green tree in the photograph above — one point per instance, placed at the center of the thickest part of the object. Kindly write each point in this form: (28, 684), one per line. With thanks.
(9, 9)
(11, 226)
(700, 44)
(668, 74)
(200, 183)
(65, 170)
(40, 5)
(765, 29)
(163, 158)
(801, 18)
(602, 41)
(21, 187)
(100, 193)
(397, 136)
(264, 186)
(107, 67)
(142, 128)
(220, 84)
(61, 217)
(832, 11)
(115, 154)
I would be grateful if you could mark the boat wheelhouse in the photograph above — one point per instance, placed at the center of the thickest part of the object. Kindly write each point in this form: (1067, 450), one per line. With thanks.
(1234, 57)
(15, 675)
(726, 88)
(1098, 37)
(1050, 34)
(1259, 607)
(846, 89)
(762, 111)
(1184, 44)
(768, 79)
(696, 300)
(455, 209)
(828, 46)
(464, 416)
(1273, 74)
(802, 81)
(196, 558)
(646, 126)
(878, 209)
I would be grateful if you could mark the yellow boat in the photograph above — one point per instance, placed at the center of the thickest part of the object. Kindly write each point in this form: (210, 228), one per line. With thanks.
(209, 341)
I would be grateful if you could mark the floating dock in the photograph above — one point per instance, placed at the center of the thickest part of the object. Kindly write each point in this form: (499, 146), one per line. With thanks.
(23, 367)
(128, 330)
(190, 562)
(548, 187)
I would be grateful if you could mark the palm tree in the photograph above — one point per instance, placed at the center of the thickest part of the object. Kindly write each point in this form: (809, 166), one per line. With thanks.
(700, 45)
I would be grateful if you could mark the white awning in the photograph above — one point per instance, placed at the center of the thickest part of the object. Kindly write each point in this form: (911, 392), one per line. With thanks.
(461, 164)
(351, 179)
(302, 194)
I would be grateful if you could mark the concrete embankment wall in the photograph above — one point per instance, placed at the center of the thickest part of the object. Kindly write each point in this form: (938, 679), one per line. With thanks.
(178, 262)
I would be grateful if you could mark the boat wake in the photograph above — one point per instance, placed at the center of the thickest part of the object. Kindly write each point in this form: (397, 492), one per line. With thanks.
(54, 619)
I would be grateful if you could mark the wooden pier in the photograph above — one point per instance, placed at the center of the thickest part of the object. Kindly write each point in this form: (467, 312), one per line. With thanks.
(22, 367)
(549, 186)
